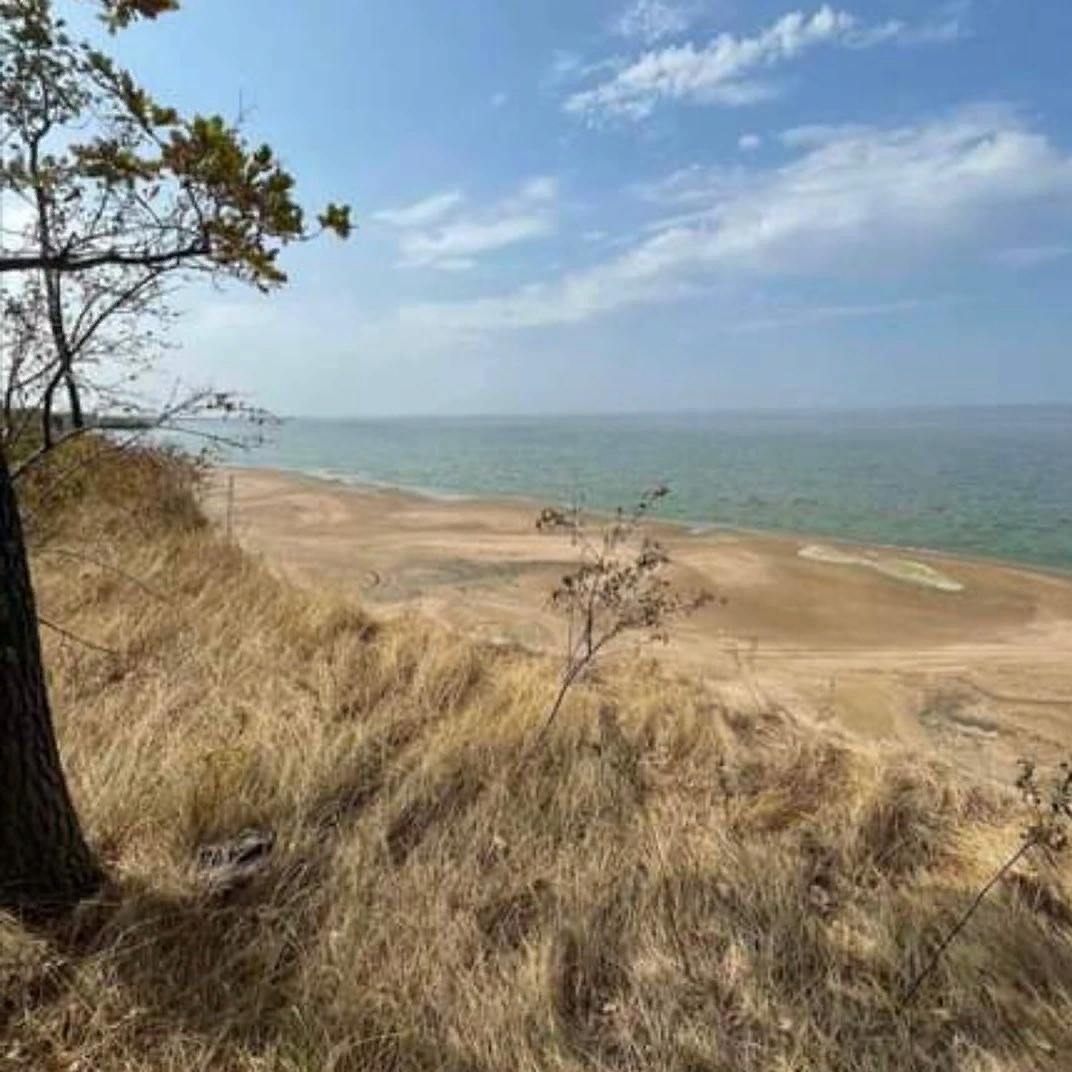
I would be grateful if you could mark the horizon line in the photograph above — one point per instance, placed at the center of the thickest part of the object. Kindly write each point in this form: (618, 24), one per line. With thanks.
(907, 407)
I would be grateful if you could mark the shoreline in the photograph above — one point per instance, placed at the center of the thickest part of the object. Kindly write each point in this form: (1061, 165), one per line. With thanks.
(892, 653)
(693, 529)
(888, 651)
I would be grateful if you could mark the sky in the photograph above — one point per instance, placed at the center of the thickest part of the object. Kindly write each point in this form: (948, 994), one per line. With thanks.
(624, 205)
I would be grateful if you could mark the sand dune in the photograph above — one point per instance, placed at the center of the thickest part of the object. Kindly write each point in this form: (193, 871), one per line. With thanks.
(971, 656)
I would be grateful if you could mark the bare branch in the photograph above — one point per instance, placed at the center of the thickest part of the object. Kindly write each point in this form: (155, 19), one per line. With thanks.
(1051, 817)
(616, 587)
(81, 556)
(18, 471)
(74, 636)
(63, 261)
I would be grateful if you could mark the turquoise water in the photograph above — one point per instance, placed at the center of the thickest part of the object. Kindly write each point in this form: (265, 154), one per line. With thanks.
(994, 482)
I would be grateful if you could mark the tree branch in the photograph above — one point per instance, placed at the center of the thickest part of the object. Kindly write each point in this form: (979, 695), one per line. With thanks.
(963, 921)
(81, 556)
(64, 262)
(122, 299)
(30, 461)
(75, 637)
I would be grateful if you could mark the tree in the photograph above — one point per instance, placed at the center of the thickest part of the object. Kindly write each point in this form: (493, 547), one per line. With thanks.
(164, 192)
(107, 331)
(24, 366)
(44, 859)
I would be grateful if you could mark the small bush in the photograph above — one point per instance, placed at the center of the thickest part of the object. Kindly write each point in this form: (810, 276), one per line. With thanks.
(115, 487)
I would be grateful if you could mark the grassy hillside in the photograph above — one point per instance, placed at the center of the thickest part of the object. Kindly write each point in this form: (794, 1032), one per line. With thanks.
(662, 884)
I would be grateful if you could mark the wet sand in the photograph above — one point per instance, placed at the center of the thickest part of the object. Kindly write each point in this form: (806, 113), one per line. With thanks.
(912, 647)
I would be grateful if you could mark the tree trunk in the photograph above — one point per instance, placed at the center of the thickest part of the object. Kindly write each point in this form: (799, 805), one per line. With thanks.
(54, 291)
(74, 400)
(45, 863)
(48, 421)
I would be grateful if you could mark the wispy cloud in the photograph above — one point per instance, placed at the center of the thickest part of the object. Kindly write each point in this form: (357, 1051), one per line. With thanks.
(1031, 256)
(729, 71)
(790, 317)
(570, 68)
(423, 212)
(815, 135)
(880, 188)
(652, 20)
(454, 247)
(948, 23)
(574, 298)
(542, 188)
(565, 67)
(749, 143)
(434, 234)
(696, 186)
(858, 196)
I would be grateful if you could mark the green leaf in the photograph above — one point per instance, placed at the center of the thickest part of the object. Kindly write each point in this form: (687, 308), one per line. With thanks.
(336, 218)
(117, 14)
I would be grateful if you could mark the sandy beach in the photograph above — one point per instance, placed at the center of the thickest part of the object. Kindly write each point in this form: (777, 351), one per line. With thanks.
(912, 647)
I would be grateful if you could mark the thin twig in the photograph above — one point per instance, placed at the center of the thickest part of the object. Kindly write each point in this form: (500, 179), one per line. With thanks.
(75, 637)
(212, 437)
(81, 556)
(568, 679)
(962, 922)
(30, 461)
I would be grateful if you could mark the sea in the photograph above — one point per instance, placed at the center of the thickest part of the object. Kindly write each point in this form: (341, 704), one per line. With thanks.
(992, 482)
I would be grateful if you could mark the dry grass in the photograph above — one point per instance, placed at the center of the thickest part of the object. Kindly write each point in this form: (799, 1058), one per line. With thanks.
(662, 884)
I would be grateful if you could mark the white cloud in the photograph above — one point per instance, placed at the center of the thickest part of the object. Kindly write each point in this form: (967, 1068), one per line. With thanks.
(423, 212)
(433, 234)
(454, 246)
(542, 188)
(749, 143)
(652, 20)
(498, 100)
(695, 185)
(857, 197)
(1030, 256)
(815, 135)
(565, 67)
(569, 68)
(948, 23)
(455, 264)
(729, 70)
(862, 311)
(574, 298)
(875, 190)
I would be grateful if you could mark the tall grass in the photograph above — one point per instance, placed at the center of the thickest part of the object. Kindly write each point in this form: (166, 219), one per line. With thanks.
(667, 884)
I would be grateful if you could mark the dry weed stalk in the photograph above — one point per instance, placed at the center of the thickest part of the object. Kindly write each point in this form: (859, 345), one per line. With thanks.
(1050, 808)
(619, 585)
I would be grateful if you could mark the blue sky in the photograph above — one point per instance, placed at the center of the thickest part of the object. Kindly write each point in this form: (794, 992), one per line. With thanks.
(593, 205)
